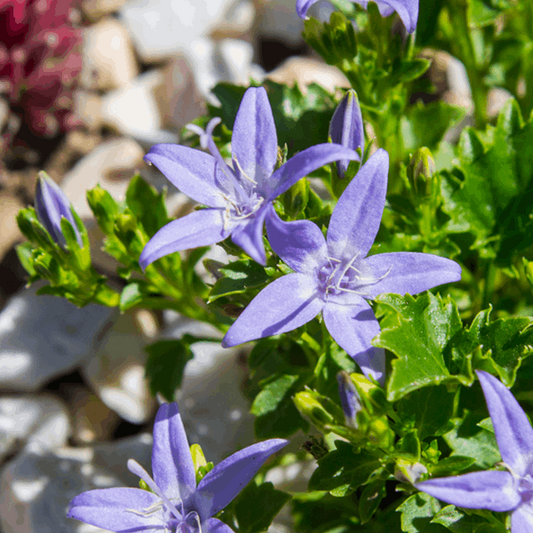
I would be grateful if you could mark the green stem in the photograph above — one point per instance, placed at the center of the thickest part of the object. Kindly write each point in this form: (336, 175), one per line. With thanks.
(488, 289)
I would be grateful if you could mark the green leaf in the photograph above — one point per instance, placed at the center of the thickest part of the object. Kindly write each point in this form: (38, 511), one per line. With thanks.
(417, 512)
(239, 277)
(431, 407)
(25, 255)
(409, 70)
(104, 207)
(418, 337)
(253, 518)
(146, 204)
(131, 296)
(343, 467)
(165, 365)
(370, 499)
(470, 440)
(451, 466)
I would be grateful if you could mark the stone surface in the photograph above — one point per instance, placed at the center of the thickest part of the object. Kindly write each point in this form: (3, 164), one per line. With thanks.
(88, 107)
(305, 70)
(37, 486)
(116, 373)
(95, 9)
(277, 19)
(133, 110)
(102, 166)
(10, 233)
(43, 336)
(162, 28)
(213, 407)
(108, 59)
(41, 420)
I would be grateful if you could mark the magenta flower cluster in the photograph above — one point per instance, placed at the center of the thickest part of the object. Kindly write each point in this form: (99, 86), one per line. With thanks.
(40, 60)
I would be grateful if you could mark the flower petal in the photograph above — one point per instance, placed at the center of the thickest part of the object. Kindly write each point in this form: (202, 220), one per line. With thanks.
(254, 142)
(407, 11)
(356, 218)
(409, 272)
(346, 126)
(353, 327)
(172, 464)
(199, 228)
(228, 478)
(249, 236)
(493, 490)
(303, 5)
(118, 509)
(522, 519)
(286, 304)
(305, 162)
(300, 243)
(514, 433)
(214, 525)
(193, 172)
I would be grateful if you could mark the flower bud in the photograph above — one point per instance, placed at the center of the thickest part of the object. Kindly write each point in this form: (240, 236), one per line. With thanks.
(346, 128)
(409, 472)
(52, 205)
(350, 400)
(311, 409)
(422, 174)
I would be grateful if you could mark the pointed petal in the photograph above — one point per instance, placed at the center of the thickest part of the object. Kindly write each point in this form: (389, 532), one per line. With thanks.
(522, 519)
(409, 272)
(303, 5)
(407, 11)
(300, 243)
(353, 327)
(191, 171)
(346, 126)
(118, 510)
(356, 218)
(229, 477)
(213, 525)
(172, 464)
(305, 162)
(511, 425)
(199, 228)
(249, 236)
(493, 490)
(286, 304)
(254, 142)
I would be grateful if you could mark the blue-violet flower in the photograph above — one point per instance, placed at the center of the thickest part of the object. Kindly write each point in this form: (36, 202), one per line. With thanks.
(175, 503)
(334, 275)
(239, 194)
(51, 205)
(346, 127)
(406, 9)
(350, 399)
(497, 490)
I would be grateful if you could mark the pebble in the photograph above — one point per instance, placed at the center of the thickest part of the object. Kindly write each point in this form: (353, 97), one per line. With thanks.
(108, 58)
(42, 337)
(9, 207)
(95, 9)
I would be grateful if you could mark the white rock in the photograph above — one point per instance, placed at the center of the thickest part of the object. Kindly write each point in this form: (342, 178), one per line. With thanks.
(108, 58)
(214, 409)
(305, 70)
(496, 99)
(133, 109)
(117, 372)
(103, 163)
(88, 107)
(37, 486)
(38, 420)
(44, 336)
(95, 9)
(163, 28)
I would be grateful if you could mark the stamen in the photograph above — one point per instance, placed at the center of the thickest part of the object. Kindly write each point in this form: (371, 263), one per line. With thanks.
(135, 468)
(236, 161)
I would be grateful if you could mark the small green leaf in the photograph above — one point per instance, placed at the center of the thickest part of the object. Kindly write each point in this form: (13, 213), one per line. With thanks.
(104, 207)
(451, 466)
(254, 518)
(370, 499)
(165, 366)
(130, 296)
(417, 512)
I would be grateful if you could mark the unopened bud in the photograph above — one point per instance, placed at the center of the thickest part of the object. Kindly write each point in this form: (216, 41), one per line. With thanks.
(422, 173)
(409, 472)
(311, 409)
(350, 399)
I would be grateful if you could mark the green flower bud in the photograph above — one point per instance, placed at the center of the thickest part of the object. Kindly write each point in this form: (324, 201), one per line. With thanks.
(422, 175)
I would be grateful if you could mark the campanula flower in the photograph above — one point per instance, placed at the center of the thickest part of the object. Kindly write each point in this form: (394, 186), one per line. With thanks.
(509, 490)
(334, 275)
(238, 194)
(51, 205)
(175, 501)
(407, 9)
(346, 127)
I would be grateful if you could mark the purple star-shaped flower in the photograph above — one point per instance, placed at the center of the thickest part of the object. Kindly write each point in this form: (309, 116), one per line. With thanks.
(406, 9)
(497, 490)
(334, 275)
(238, 195)
(176, 502)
